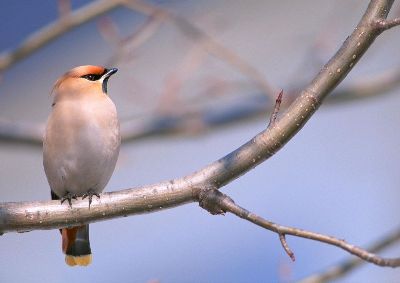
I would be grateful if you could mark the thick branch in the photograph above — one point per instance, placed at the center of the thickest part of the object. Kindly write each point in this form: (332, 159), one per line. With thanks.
(50, 214)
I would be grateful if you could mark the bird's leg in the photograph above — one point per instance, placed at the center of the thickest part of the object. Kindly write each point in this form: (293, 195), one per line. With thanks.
(90, 193)
(68, 196)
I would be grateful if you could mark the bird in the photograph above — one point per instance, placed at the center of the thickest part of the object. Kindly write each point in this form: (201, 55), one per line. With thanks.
(80, 147)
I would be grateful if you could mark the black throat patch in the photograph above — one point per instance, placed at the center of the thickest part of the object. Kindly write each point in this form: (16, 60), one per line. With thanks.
(104, 86)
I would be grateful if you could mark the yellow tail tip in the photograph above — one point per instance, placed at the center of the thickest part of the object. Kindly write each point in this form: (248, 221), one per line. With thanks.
(83, 260)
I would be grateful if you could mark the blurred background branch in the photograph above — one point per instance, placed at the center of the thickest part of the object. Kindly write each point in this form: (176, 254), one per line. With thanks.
(167, 120)
(251, 106)
(67, 21)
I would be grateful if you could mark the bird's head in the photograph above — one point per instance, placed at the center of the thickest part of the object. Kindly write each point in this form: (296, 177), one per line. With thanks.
(83, 80)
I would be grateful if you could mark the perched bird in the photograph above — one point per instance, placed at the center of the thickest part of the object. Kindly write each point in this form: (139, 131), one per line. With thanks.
(80, 147)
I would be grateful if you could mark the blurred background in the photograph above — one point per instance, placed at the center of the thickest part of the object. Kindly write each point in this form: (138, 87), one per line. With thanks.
(196, 80)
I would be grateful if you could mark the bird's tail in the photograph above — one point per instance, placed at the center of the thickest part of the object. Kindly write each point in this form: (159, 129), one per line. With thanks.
(76, 245)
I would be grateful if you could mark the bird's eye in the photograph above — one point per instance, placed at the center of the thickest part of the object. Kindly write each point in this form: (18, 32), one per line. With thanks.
(91, 77)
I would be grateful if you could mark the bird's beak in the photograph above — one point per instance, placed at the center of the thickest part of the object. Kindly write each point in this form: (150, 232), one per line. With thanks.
(109, 72)
(106, 76)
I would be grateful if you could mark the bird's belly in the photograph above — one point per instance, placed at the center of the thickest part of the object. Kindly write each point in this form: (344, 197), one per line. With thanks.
(85, 161)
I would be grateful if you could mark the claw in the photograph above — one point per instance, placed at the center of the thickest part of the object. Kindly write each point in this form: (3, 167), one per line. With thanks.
(68, 197)
(89, 194)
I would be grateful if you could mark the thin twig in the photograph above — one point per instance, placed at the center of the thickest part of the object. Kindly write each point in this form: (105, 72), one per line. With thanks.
(226, 204)
(286, 247)
(387, 24)
(64, 8)
(345, 267)
(272, 118)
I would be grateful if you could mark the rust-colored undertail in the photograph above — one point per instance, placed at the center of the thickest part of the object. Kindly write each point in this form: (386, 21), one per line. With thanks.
(75, 244)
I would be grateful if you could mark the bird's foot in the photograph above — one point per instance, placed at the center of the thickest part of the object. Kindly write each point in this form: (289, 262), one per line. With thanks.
(89, 194)
(68, 197)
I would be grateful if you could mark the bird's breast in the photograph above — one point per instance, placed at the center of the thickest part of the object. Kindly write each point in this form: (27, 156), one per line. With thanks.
(81, 145)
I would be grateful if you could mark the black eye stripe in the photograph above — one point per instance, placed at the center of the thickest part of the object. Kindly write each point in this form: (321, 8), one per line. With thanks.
(91, 77)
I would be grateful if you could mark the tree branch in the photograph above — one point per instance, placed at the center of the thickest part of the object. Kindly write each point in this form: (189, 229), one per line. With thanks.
(387, 24)
(206, 41)
(25, 216)
(126, 47)
(339, 270)
(50, 32)
(222, 171)
(69, 20)
(285, 246)
(217, 201)
(274, 114)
